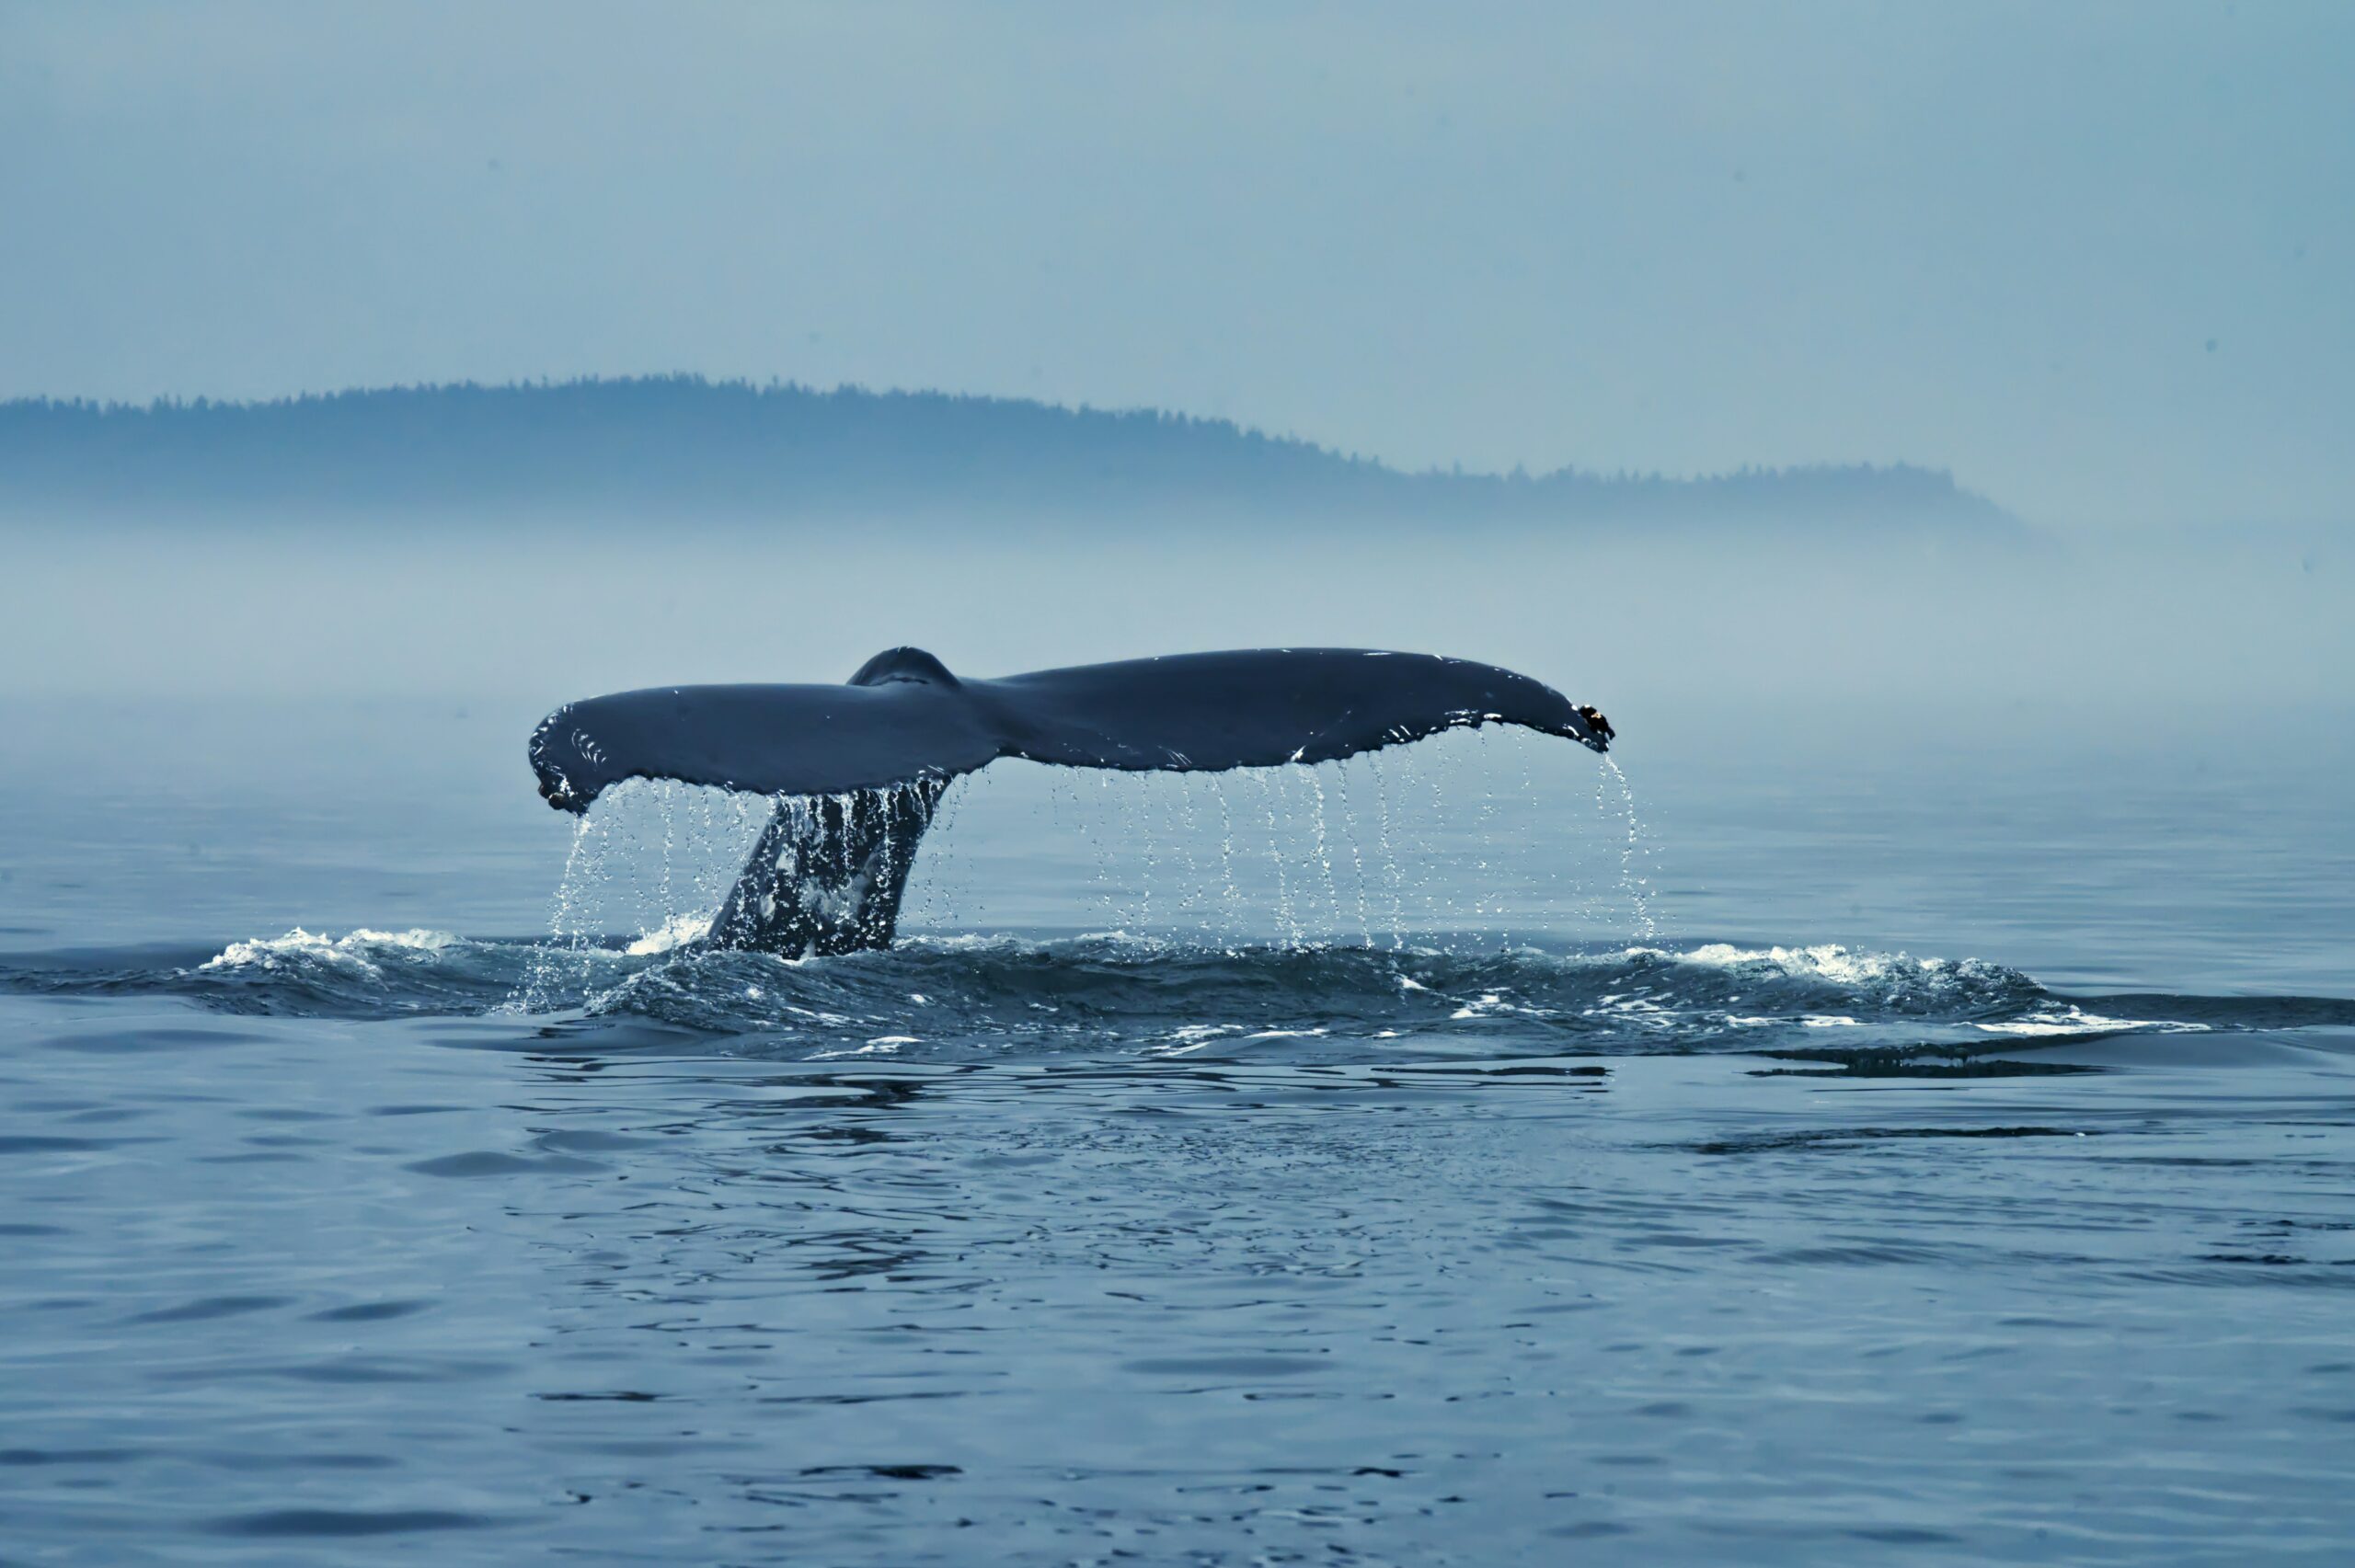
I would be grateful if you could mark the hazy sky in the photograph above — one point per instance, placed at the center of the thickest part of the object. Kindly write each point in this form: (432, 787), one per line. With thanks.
(2097, 258)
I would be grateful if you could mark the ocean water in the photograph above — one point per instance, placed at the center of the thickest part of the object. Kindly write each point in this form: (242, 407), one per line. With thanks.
(1926, 1142)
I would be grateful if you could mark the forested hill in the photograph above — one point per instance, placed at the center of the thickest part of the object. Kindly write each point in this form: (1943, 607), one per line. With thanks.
(679, 444)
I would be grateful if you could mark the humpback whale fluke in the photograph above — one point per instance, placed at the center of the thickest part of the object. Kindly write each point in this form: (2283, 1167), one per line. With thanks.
(863, 764)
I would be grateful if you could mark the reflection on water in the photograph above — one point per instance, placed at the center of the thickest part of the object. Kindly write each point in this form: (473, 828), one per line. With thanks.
(544, 1296)
(1959, 1173)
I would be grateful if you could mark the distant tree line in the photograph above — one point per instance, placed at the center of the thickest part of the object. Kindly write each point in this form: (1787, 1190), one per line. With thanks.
(675, 441)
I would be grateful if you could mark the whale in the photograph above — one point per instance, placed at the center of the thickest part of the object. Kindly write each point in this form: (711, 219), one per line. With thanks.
(858, 769)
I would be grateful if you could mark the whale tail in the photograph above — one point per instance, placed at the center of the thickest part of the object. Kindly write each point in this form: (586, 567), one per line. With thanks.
(827, 872)
(859, 768)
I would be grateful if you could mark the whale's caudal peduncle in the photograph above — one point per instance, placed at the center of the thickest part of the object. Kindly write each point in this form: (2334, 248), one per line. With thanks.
(862, 765)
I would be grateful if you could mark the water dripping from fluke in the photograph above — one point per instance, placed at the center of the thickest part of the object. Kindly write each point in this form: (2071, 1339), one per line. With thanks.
(648, 871)
(1632, 885)
(843, 783)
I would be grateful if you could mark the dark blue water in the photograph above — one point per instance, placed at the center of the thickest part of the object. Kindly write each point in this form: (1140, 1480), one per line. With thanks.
(1894, 1147)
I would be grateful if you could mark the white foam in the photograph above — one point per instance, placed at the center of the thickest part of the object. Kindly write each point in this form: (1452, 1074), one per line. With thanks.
(968, 942)
(1827, 960)
(1191, 1037)
(673, 934)
(882, 1047)
(357, 950)
(2077, 1021)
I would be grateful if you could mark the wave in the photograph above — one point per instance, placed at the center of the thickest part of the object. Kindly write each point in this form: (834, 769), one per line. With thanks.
(1155, 997)
(361, 949)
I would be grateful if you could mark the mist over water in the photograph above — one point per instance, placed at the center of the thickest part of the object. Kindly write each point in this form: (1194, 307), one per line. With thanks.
(1677, 624)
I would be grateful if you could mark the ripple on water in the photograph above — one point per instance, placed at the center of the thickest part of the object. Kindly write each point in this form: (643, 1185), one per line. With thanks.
(939, 997)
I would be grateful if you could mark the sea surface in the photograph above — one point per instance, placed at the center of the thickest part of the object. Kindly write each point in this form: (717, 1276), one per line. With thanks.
(1920, 1139)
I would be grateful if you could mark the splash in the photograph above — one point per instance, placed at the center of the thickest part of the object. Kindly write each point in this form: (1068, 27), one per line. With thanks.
(980, 997)
(362, 949)
(673, 934)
